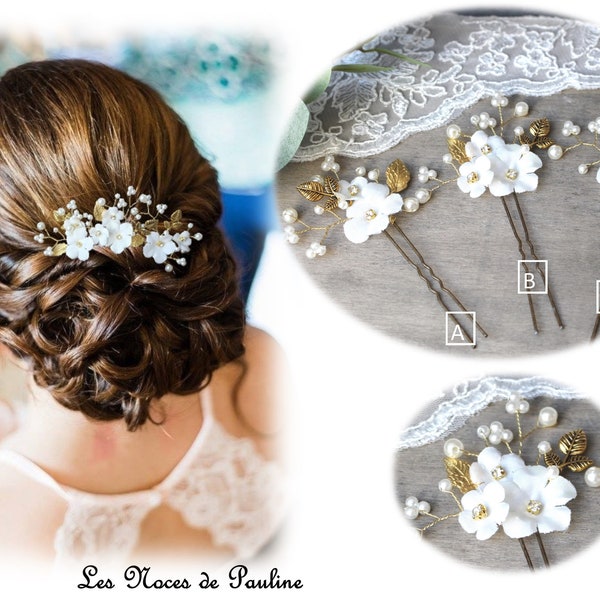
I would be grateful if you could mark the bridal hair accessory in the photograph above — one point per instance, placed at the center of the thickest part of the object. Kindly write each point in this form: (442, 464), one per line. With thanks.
(573, 130)
(498, 491)
(128, 223)
(364, 207)
(484, 162)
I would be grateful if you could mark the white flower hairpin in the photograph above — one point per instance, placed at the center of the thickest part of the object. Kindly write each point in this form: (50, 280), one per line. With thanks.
(364, 207)
(570, 129)
(485, 162)
(498, 492)
(128, 223)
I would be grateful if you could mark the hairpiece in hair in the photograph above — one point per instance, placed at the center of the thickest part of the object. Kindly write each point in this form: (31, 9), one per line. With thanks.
(364, 207)
(484, 161)
(128, 223)
(499, 491)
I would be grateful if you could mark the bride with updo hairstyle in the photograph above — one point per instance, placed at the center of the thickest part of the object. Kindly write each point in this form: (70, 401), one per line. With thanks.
(149, 428)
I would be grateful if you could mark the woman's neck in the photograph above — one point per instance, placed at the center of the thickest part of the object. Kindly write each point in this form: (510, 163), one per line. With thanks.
(104, 457)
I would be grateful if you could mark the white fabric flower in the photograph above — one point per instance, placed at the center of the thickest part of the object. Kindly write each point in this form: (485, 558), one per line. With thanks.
(120, 237)
(537, 503)
(492, 465)
(475, 176)
(370, 211)
(99, 235)
(159, 247)
(183, 241)
(112, 217)
(514, 169)
(482, 144)
(79, 243)
(484, 510)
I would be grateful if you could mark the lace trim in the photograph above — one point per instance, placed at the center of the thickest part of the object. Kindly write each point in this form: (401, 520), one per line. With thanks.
(467, 58)
(470, 398)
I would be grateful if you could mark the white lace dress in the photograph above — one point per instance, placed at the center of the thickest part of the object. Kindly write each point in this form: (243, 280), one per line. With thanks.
(221, 485)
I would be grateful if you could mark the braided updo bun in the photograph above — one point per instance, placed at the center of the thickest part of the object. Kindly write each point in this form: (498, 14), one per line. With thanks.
(108, 335)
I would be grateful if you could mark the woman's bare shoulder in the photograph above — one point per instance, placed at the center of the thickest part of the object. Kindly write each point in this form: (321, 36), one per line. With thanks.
(30, 516)
(255, 390)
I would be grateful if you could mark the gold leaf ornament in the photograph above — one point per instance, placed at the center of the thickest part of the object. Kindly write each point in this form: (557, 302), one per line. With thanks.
(59, 249)
(573, 443)
(313, 191)
(552, 459)
(539, 135)
(458, 150)
(397, 176)
(458, 474)
(581, 463)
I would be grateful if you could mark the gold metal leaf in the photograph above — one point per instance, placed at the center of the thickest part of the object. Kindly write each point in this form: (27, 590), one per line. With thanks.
(573, 442)
(552, 459)
(151, 225)
(525, 139)
(458, 474)
(543, 143)
(580, 464)
(331, 204)
(137, 240)
(59, 217)
(331, 185)
(312, 190)
(176, 216)
(458, 150)
(59, 249)
(98, 211)
(397, 176)
(540, 128)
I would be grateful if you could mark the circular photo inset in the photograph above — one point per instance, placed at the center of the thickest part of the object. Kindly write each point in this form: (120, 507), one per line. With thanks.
(501, 473)
(443, 189)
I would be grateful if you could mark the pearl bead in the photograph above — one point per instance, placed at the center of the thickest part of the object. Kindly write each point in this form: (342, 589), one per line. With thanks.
(319, 210)
(521, 109)
(335, 167)
(592, 476)
(507, 436)
(544, 447)
(410, 205)
(322, 250)
(422, 178)
(511, 407)
(496, 426)
(360, 171)
(445, 485)
(411, 512)
(343, 204)
(552, 472)
(422, 195)
(583, 169)
(447, 158)
(547, 417)
(492, 122)
(495, 438)
(294, 238)
(290, 215)
(555, 152)
(592, 126)
(373, 174)
(483, 431)
(424, 507)
(453, 448)
(310, 253)
(523, 407)
(411, 501)
(318, 179)
(519, 131)
(423, 170)
(289, 229)
(453, 131)
(432, 174)
(325, 165)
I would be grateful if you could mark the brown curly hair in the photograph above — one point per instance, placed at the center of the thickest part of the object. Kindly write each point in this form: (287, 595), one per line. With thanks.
(108, 335)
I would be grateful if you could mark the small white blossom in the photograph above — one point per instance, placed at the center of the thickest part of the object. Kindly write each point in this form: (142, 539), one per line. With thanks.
(159, 247)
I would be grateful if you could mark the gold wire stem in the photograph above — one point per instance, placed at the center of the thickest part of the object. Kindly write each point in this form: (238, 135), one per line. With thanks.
(524, 264)
(436, 520)
(520, 432)
(539, 268)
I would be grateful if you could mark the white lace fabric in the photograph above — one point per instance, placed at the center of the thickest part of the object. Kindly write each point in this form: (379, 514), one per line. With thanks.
(222, 485)
(470, 398)
(466, 58)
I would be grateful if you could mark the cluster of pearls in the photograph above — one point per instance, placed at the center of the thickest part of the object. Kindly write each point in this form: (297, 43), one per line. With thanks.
(329, 164)
(495, 434)
(316, 249)
(569, 128)
(425, 174)
(516, 404)
(413, 507)
(499, 100)
(594, 126)
(483, 120)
